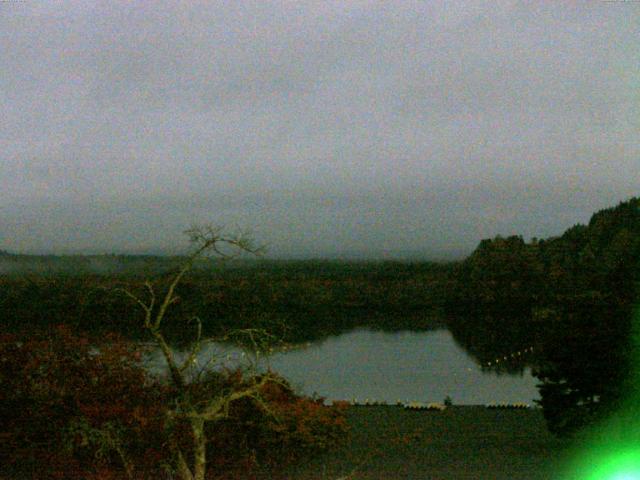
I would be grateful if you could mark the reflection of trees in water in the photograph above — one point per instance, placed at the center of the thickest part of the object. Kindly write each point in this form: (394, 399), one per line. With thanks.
(498, 344)
(315, 330)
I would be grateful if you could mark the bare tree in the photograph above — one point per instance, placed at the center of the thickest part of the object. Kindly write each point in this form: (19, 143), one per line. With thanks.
(197, 412)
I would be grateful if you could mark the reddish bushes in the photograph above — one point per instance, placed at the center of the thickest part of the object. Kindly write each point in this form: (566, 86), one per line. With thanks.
(274, 434)
(72, 411)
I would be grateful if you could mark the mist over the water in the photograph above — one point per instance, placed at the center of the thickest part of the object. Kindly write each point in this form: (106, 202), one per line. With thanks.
(332, 129)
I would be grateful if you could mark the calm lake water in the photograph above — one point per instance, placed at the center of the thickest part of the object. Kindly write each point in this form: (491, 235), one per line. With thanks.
(405, 366)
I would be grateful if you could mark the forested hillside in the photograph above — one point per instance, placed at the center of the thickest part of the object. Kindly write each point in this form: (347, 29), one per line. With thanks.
(570, 298)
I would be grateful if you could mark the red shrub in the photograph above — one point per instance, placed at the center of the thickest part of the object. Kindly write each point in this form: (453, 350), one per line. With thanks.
(272, 435)
(72, 411)
(65, 405)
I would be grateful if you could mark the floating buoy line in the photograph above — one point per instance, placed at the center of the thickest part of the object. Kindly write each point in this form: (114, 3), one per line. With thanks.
(504, 358)
(508, 406)
(413, 405)
(438, 407)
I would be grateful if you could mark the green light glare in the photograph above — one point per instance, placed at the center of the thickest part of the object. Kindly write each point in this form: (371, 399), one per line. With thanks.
(623, 466)
(611, 450)
(610, 465)
(626, 476)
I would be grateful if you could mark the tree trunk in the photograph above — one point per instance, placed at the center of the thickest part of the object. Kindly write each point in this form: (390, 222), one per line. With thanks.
(200, 449)
(183, 469)
(176, 375)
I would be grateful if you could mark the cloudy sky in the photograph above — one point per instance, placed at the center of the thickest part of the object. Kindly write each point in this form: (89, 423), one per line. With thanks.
(330, 128)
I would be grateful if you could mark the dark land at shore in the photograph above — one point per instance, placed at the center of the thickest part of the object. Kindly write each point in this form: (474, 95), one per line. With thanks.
(462, 442)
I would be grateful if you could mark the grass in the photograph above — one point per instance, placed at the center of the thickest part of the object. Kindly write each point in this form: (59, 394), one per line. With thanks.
(465, 442)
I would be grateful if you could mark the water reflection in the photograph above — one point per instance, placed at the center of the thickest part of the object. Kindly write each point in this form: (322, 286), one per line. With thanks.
(383, 366)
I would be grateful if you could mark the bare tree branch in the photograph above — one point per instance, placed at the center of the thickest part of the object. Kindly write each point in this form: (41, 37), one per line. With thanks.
(205, 239)
(195, 348)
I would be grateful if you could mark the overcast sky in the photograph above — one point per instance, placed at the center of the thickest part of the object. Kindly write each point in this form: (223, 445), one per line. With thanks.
(330, 128)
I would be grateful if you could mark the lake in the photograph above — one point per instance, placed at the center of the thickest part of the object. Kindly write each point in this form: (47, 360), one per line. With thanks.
(387, 367)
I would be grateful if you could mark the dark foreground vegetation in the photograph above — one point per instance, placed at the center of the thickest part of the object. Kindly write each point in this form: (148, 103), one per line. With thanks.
(569, 299)
(69, 411)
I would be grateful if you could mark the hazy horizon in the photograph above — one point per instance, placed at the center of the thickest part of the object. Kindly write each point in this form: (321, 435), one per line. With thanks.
(333, 129)
(450, 255)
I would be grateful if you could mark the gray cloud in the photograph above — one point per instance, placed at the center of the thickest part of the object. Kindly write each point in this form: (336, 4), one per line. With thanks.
(333, 128)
